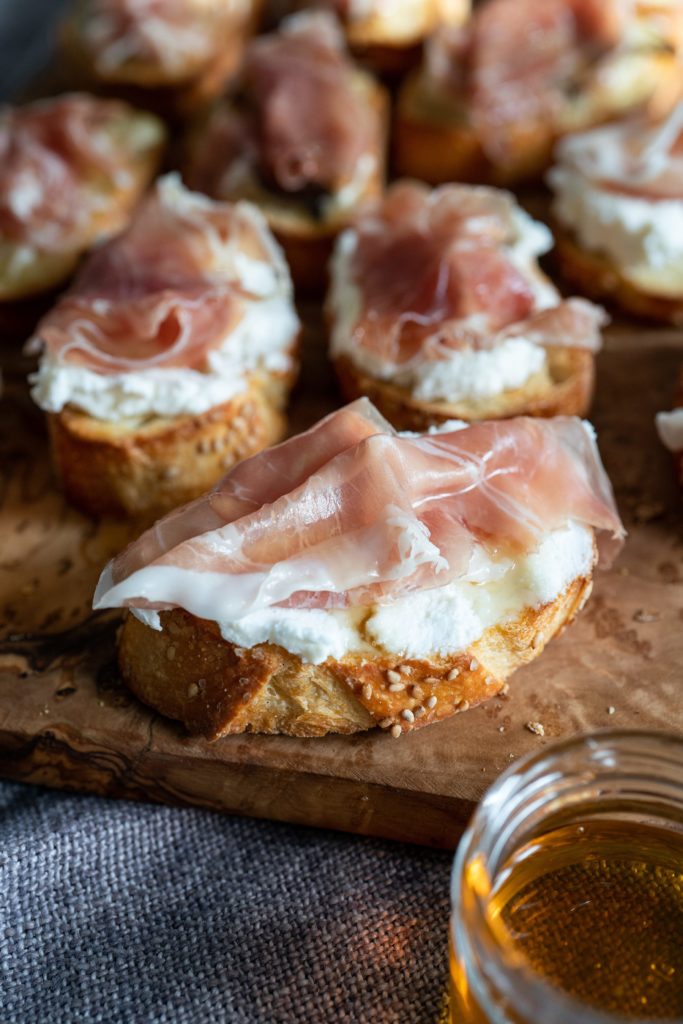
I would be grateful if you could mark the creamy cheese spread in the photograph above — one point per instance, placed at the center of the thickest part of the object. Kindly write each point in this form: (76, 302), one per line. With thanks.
(440, 621)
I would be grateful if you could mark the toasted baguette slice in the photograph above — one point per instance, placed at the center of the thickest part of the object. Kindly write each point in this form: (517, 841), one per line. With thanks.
(26, 272)
(307, 239)
(151, 86)
(563, 388)
(435, 143)
(434, 140)
(595, 275)
(188, 672)
(145, 468)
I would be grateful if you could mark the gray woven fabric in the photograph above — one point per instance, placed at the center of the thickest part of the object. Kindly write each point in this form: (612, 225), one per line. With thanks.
(133, 914)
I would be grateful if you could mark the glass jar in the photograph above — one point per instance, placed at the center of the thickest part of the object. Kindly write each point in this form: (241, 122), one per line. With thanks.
(567, 888)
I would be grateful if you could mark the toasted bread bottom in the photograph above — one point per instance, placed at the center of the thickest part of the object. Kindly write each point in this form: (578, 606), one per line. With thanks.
(188, 672)
(565, 389)
(596, 276)
(145, 468)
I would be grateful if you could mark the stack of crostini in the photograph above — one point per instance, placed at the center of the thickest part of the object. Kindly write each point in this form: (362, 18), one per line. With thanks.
(395, 563)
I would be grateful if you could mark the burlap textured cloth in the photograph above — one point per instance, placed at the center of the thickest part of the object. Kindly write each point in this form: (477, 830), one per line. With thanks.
(137, 914)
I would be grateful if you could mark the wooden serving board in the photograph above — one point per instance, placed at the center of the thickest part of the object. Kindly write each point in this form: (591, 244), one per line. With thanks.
(66, 721)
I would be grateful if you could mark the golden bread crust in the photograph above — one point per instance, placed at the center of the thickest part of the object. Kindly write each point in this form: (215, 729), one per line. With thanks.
(188, 672)
(565, 389)
(596, 276)
(144, 469)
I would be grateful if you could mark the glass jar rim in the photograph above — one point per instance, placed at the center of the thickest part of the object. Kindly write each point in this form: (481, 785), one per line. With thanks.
(531, 994)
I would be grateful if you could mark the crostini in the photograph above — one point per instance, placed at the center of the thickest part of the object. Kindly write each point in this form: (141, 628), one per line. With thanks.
(353, 577)
(618, 215)
(385, 37)
(438, 310)
(168, 55)
(303, 138)
(171, 358)
(491, 99)
(72, 169)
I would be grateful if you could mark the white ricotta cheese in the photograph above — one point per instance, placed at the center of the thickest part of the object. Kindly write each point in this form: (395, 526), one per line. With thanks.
(636, 234)
(260, 342)
(444, 620)
(670, 429)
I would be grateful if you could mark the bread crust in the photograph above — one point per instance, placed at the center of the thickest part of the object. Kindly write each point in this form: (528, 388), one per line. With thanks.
(149, 86)
(568, 392)
(306, 240)
(144, 469)
(189, 673)
(596, 276)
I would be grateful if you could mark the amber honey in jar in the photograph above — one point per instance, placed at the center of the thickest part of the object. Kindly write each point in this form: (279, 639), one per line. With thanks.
(567, 889)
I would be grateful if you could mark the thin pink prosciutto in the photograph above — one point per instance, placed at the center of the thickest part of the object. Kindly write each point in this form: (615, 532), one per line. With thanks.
(516, 59)
(350, 514)
(303, 125)
(175, 35)
(631, 157)
(436, 273)
(50, 152)
(155, 296)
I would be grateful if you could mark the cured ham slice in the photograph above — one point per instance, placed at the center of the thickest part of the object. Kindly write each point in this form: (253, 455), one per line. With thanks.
(165, 292)
(437, 272)
(517, 58)
(633, 157)
(50, 152)
(176, 35)
(309, 125)
(351, 514)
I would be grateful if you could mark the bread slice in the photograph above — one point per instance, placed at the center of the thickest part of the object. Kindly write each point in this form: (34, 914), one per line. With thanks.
(26, 272)
(188, 672)
(433, 138)
(563, 388)
(144, 468)
(434, 142)
(595, 275)
(150, 86)
(308, 239)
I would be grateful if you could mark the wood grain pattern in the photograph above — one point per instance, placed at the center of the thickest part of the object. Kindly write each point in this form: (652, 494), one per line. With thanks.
(66, 721)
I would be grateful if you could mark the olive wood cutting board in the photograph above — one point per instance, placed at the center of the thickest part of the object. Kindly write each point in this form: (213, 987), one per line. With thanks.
(66, 721)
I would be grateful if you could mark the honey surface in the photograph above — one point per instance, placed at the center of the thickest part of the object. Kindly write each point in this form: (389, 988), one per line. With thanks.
(597, 911)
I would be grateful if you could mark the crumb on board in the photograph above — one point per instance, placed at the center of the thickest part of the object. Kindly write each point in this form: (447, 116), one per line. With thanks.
(611, 710)
(646, 615)
(536, 728)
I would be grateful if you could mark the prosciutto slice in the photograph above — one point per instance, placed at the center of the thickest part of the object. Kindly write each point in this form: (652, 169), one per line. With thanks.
(175, 35)
(166, 291)
(634, 157)
(351, 514)
(309, 124)
(49, 152)
(517, 58)
(437, 272)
